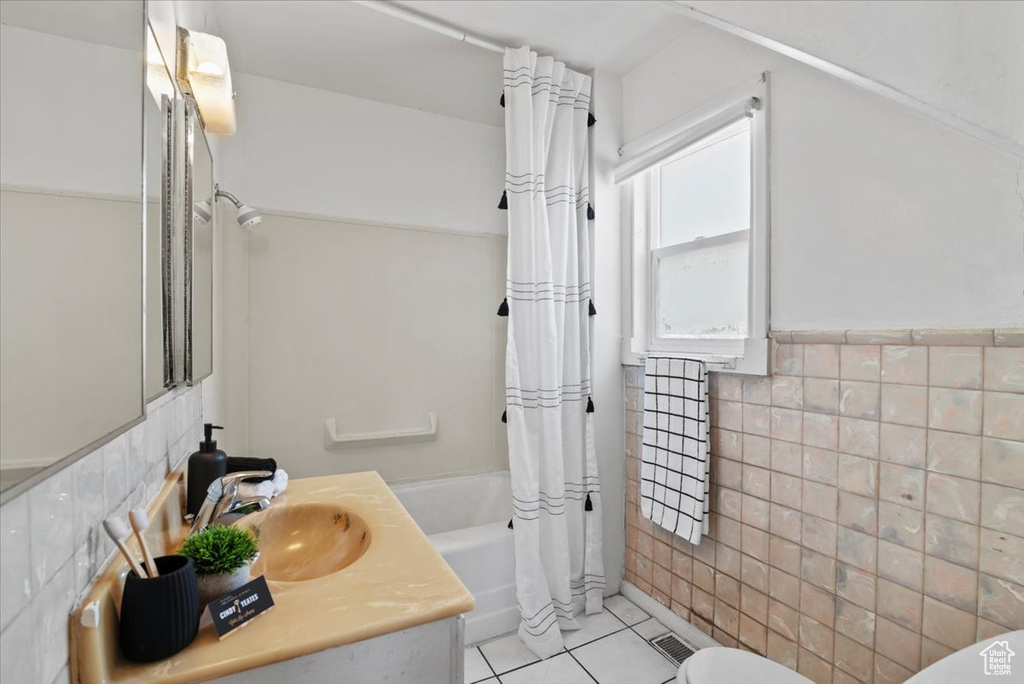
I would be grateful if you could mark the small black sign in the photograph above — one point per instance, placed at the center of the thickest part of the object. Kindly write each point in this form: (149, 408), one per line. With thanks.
(238, 608)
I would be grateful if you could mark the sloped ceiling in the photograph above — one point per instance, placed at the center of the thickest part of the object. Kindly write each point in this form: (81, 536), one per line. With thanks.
(963, 58)
(347, 48)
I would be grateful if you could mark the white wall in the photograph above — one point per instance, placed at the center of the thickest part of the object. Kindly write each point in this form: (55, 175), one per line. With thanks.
(318, 152)
(70, 322)
(966, 58)
(375, 327)
(358, 164)
(50, 140)
(609, 416)
(881, 217)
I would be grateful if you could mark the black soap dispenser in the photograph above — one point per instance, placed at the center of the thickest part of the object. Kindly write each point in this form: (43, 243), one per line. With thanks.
(204, 466)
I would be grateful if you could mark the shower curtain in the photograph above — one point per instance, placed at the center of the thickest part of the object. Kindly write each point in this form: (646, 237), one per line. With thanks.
(549, 408)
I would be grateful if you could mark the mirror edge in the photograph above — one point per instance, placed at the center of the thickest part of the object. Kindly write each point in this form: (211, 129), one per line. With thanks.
(195, 134)
(15, 490)
(22, 487)
(188, 219)
(169, 182)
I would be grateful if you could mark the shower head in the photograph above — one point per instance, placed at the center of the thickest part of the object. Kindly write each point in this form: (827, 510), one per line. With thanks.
(203, 211)
(247, 216)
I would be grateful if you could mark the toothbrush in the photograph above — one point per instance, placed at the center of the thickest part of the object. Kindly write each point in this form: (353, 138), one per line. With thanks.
(117, 531)
(139, 523)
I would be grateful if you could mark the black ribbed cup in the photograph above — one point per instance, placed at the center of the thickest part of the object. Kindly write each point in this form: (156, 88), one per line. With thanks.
(160, 616)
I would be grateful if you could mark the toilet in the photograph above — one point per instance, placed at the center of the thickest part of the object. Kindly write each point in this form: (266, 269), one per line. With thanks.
(721, 665)
(971, 664)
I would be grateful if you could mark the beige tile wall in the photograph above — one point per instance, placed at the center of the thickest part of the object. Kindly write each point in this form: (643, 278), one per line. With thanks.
(867, 513)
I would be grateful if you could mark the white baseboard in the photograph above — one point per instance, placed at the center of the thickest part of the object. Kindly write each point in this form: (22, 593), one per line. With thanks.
(666, 617)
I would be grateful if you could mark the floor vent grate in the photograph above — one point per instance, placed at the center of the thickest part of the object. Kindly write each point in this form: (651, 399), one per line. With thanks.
(673, 648)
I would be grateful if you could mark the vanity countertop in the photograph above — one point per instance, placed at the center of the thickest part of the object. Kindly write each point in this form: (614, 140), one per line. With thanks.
(399, 582)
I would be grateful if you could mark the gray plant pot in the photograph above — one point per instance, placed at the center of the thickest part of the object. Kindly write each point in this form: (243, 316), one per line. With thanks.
(215, 586)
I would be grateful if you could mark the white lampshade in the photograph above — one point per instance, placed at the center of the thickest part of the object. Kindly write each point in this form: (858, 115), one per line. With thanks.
(209, 79)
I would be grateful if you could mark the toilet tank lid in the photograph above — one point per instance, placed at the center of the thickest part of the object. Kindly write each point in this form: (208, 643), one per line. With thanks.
(722, 665)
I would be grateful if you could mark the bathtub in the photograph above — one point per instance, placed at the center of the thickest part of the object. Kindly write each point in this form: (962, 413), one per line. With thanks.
(466, 519)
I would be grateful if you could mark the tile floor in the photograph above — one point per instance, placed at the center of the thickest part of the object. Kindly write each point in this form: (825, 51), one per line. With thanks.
(610, 648)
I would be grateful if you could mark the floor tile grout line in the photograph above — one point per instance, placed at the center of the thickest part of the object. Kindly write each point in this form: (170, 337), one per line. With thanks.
(610, 612)
(520, 667)
(628, 628)
(486, 662)
(563, 651)
(567, 650)
(633, 627)
(648, 641)
(587, 643)
(583, 666)
(615, 615)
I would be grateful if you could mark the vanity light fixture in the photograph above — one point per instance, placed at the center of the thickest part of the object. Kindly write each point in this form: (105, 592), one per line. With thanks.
(204, 73)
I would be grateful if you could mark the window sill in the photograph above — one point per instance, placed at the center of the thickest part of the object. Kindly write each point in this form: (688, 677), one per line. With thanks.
(755, 359)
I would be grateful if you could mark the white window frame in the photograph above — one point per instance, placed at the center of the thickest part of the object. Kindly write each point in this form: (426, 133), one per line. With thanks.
(639, 174)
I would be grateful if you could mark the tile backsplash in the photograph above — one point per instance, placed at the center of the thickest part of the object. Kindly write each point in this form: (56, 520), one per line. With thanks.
(867, 512)
(53, 543)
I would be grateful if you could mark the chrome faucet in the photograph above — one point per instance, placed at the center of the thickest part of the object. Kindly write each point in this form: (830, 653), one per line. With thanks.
(222, 499)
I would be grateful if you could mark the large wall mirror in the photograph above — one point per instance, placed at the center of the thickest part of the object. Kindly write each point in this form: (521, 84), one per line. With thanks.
(162, 111)
(199, 225)
(71, 231)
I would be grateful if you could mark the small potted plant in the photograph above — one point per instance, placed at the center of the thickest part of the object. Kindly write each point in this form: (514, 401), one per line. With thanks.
(222, 557)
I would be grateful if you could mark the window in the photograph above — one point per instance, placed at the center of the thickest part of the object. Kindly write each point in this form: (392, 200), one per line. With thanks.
(700, 237)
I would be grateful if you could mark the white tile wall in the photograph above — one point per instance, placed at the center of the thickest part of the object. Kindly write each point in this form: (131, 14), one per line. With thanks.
(52, 543)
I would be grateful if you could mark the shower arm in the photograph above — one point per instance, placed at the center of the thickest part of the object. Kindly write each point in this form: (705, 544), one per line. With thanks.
(227, 195)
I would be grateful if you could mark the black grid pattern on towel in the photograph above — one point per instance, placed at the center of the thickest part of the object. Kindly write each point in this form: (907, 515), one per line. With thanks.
(674, 465)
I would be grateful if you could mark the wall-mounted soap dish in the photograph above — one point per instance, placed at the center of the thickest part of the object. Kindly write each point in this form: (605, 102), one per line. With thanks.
(332, 440)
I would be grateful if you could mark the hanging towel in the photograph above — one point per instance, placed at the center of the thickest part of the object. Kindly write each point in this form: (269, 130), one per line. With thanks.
(674, 468)
(268, 489)
(239, 463)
